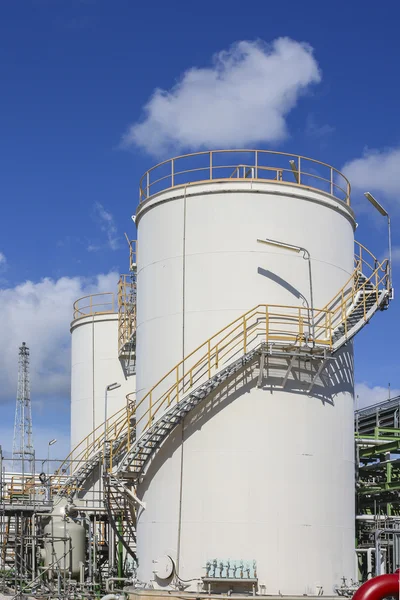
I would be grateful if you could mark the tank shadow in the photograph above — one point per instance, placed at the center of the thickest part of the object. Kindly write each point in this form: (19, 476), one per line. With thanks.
(336, 378)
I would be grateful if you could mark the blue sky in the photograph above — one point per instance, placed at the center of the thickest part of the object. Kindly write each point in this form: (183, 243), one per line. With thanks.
(76, 74)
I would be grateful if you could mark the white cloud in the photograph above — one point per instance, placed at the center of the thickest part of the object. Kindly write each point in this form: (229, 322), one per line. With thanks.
(40, 314)
(239, 101)
(3, 260)
(107, 225)
(372, 395)
(376, 171)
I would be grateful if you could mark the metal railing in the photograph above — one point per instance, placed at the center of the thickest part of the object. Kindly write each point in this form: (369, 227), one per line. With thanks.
(375, 278)
(268, 324)
(264, 165)
(95, 304)
(126, 311)
(127, 303)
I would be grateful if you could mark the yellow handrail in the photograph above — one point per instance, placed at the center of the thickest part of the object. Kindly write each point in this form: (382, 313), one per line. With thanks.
(126, 310)
(286, 325)
(214, 166)
(94, 304)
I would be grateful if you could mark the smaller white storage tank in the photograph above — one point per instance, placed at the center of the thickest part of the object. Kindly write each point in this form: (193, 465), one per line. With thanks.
(95, 365)
(64, 543)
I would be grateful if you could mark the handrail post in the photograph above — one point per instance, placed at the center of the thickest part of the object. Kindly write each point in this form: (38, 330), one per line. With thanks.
(148, 184)
(299, 169)
(129, 428)
(344, 312)
(209, 358)
(177, 384)
(266, 324)
(211, 165)
(331, 181)
(151, 404)
(172, 173)
(256, 163)
(216, 356)
(365, 303)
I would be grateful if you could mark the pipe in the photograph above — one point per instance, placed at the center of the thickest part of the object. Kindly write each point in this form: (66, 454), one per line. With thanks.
(369, 552)
(112, 579)
(371, 441)
(378, 518)
(379, 587)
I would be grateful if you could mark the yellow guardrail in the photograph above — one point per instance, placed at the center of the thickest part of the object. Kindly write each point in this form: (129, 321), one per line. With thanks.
(217, 165)
(126, 310)
(288, 326)
(95, 304)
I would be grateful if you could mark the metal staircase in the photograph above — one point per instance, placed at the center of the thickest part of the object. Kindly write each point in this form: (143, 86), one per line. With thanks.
(265, 327)
(153, 436)
(367, 301)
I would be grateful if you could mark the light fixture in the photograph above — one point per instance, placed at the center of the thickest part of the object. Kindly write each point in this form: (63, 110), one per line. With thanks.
(306, 256)
(109, 388)
(375, 203)
(384, 213)
(295, 170)
(113, 386)
(280, 245)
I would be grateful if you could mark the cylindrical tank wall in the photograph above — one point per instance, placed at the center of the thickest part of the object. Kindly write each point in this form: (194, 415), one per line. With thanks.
(267, 474)
(94, 366)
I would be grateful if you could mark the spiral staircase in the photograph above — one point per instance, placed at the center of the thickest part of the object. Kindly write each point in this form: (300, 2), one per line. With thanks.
(262, 331)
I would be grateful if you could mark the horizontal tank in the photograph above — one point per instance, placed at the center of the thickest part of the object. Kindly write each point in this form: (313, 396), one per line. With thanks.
(262, 473)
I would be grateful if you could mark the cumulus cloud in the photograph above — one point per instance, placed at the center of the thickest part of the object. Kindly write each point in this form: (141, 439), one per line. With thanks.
(107, 224)
(372, 395)
(242, 99)
(40, 314)
(3, 260)
(376, 171)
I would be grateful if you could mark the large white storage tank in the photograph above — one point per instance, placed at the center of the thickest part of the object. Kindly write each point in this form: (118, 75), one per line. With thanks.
(95, 364)
(264, 473)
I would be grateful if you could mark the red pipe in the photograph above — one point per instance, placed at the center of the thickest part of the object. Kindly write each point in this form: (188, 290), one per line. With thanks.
(379, 587)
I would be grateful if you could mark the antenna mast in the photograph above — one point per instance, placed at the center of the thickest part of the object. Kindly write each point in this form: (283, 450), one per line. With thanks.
(23, 451)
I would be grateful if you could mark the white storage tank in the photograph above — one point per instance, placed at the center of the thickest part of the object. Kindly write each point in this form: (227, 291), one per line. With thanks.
(262, 473)
(95, 364)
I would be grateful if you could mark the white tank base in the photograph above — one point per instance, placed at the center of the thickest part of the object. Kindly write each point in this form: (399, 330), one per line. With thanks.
(150, 594)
